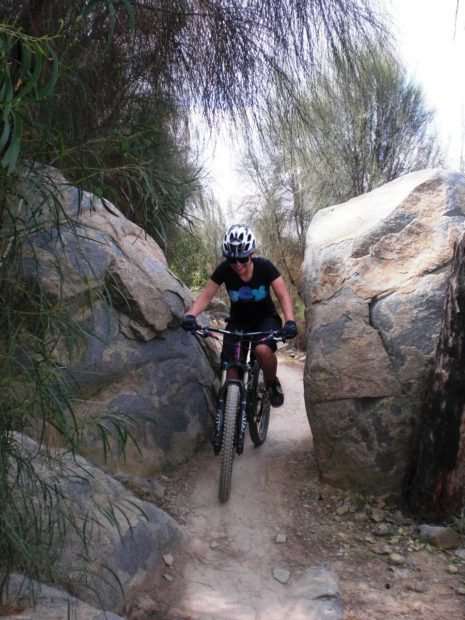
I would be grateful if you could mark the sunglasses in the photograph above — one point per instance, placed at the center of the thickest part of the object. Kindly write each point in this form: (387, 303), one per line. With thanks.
(243, 260)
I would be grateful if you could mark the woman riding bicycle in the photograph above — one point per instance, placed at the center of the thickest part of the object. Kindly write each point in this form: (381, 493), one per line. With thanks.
(248, 280)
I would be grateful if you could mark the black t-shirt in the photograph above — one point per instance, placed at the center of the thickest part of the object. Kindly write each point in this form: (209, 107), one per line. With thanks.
(249, 300)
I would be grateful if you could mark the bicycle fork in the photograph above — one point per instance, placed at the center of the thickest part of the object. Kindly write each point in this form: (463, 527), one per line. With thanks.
(241, 421)
(242, 417)
(219, 420)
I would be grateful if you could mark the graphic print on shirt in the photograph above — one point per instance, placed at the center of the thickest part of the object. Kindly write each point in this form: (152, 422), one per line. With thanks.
(245, 293)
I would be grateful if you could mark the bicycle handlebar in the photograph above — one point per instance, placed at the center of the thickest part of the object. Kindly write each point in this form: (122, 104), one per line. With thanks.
(206, 331)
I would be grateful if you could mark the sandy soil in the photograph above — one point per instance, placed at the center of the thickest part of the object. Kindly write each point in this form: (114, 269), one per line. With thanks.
(280, 517)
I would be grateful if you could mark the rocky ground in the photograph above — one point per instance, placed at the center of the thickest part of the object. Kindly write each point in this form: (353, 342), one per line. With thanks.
(247, 559)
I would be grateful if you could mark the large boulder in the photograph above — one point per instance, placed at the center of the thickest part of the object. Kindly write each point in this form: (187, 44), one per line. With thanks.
(104, 541)
(133, 361)
(31, 600)
(375, 274)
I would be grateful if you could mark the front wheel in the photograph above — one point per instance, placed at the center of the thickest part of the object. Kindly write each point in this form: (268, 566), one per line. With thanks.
(259, 409)
(229, 431)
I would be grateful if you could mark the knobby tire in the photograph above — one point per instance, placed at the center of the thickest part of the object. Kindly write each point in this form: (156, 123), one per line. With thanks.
(259, 409)
(227, 449)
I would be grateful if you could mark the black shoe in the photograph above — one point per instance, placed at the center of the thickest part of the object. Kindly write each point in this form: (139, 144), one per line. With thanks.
(276, 393)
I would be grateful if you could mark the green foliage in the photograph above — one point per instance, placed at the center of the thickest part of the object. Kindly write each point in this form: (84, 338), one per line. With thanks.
(149, 179)
(189, 258)
(64, 105)
(28, 73)
(365, 128)
(194, 250)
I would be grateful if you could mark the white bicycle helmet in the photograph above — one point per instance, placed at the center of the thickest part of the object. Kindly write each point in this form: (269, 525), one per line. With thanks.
(238, 242)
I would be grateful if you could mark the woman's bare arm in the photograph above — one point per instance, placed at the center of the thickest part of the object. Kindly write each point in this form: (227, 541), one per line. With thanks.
(282, 293)
(205, 297)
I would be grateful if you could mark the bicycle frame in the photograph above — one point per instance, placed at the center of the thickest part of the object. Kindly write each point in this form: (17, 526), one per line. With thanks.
(244, 368)
(237, 402)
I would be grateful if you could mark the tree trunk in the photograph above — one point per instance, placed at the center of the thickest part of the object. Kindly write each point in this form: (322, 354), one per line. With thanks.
(434, 484)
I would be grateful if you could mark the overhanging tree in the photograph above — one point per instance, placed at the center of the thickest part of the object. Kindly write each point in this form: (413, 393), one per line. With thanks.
(130, 70)
(365, 128)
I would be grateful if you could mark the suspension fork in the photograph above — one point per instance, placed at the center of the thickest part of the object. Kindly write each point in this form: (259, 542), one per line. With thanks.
(219, 418)
(242, 414)
(242, 418)
(219, 421)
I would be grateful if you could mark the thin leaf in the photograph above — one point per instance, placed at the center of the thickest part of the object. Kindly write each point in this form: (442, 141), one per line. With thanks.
(33, 77)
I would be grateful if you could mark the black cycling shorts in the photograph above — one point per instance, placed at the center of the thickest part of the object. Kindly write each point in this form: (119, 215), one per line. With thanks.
(269, 323)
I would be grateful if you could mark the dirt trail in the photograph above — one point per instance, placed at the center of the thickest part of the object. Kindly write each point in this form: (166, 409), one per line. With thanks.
(278, 522)
(233, 550)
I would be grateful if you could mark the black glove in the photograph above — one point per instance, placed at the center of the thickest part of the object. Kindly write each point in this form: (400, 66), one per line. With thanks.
(289, 330)
(189, 323)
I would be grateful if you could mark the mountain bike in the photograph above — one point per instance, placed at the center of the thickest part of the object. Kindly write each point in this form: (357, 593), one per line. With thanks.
(241, 402)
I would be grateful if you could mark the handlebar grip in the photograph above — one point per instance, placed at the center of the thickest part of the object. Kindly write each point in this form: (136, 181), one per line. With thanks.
(204, 331)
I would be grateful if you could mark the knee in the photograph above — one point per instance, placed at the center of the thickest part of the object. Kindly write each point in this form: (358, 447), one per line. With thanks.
(264, 352)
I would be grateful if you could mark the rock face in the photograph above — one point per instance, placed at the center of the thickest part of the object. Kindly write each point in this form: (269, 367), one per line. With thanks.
(375, 274)
(434, 487)
(125, 537)
(41, 601)
(133, 359)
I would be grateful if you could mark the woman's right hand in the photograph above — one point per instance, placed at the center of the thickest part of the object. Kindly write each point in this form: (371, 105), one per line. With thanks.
(189, 323)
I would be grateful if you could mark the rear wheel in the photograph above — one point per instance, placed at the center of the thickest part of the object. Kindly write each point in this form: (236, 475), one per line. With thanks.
(227, 448)
(259, 409)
